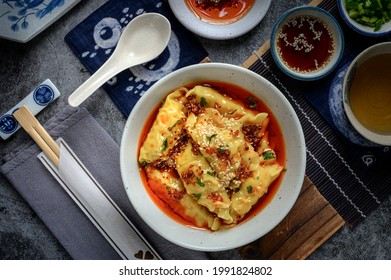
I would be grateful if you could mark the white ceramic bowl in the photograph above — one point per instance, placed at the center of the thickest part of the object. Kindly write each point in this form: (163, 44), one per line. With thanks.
(253, 228)
(361, 28)
(219, 31)
(381, 48)
(334, 28)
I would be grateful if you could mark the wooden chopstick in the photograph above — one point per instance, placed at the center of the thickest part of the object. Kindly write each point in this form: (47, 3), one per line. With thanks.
(32, 126)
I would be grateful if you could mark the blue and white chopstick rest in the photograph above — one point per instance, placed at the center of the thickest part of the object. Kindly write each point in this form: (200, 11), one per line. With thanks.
(36, 101)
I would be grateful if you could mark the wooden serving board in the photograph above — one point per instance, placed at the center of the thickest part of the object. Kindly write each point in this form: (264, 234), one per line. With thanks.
(308, 225)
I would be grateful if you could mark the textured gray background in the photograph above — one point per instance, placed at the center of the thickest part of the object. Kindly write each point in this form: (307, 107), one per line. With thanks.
(24, 66)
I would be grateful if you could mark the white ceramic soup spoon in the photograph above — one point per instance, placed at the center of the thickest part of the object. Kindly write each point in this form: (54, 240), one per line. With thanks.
(142, 40)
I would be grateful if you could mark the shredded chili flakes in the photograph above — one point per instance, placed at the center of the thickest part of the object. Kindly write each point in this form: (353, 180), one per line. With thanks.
(208, 4)
(252, 133)
(243, 172)
(235, 133)
(215, 197)
(180, 144)
(224, 154)
(195, 148)
(193, 106)
(210, 150)
(188, 176)
(176, 194)
(164, 166)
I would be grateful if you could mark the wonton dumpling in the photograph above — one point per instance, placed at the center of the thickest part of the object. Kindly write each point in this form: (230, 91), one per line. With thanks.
(220, 140)
(170, 189)
(212, 97)
(256, 184)
(166, 127)
(263, 170)
(200, 182)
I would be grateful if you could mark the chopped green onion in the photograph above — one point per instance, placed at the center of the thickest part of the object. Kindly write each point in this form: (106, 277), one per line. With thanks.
(177, 122)
(209, 138)
(268, 155)
(199, 182)
(165, 145)
(203, 102)
(372, 13)
(221, 150)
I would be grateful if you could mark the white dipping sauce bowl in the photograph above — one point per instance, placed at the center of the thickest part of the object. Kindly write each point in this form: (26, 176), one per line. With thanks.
(334, 29)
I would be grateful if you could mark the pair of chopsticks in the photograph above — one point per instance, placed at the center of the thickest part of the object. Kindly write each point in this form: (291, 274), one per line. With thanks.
(32, 126)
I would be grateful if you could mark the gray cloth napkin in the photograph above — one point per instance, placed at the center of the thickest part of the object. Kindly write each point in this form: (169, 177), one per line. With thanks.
(100, 154)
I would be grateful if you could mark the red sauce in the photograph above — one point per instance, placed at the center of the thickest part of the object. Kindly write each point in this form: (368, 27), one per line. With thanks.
(276, 142)
(221, 12)
(160, 203)
(305, 44)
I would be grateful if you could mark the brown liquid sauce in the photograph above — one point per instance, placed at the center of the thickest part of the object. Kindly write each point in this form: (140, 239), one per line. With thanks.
(370, 94)
(276, 142)
(224, 12)
(305, 44)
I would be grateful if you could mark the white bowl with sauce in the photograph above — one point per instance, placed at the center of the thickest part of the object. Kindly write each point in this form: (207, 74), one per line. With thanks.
(205, 25)
(367, 93)
(281, 201)
(307, 43)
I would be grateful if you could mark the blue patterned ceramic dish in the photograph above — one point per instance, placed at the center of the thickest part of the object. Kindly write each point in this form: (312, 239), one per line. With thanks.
(22, 20)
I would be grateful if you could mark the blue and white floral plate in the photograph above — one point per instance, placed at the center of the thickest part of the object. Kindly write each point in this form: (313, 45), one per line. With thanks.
(22, 20)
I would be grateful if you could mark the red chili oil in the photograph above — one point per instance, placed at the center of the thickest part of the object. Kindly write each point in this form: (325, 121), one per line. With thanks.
(220, 12)
(305, 44)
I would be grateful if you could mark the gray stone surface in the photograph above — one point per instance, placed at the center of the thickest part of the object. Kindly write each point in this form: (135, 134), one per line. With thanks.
(24, 66)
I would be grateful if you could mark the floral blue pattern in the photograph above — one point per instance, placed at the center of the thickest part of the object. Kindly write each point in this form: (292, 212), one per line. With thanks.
(22, 10)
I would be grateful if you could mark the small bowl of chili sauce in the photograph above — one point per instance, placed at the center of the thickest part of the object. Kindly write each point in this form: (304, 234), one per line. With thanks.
(307, 43)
